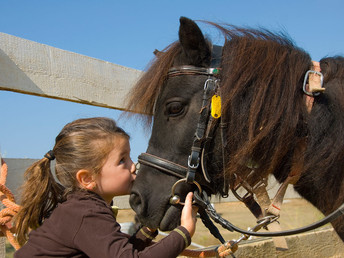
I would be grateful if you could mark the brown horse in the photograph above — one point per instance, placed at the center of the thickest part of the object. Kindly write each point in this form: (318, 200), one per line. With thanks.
(268, 124)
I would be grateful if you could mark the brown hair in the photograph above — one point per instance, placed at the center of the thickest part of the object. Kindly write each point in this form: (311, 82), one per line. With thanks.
(142, 97)
(82, 144)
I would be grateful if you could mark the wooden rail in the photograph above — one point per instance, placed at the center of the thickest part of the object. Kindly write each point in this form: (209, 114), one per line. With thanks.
(36, 69)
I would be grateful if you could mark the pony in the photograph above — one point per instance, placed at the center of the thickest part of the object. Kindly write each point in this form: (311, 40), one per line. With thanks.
(267, 124)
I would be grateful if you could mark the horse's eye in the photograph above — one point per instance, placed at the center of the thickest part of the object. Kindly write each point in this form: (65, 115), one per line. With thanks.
(174, 109)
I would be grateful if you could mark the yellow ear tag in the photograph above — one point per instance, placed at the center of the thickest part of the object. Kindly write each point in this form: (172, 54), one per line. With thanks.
(216, 106)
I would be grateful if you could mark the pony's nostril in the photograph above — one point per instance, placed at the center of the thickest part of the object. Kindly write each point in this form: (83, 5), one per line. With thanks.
(136, 203)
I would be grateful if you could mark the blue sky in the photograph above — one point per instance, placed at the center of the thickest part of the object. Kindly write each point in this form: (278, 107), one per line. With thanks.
(126, 33)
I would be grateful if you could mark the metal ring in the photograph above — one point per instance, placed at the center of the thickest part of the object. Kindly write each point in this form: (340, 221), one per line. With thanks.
(184, 180)
(305, 80)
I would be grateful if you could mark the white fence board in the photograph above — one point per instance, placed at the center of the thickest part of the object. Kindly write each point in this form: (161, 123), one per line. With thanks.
(37, 69)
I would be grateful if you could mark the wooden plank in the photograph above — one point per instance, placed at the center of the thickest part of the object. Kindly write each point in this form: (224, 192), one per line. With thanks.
(36, 69)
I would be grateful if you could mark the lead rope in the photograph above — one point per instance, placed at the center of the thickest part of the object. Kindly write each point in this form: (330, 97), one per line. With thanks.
(7, 214)
(230, 247)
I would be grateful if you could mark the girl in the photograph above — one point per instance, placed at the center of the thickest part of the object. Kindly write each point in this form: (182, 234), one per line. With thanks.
(73, 217)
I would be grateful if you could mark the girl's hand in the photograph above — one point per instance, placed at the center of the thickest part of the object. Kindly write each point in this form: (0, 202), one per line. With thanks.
(188, 217)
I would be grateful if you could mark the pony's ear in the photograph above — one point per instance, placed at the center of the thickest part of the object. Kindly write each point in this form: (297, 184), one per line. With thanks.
(195, 48)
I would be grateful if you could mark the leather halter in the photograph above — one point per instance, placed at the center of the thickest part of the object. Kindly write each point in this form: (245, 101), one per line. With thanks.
(197, 150)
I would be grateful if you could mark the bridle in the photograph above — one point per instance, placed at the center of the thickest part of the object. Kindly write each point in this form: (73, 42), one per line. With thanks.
(204, 131)
(203, 134)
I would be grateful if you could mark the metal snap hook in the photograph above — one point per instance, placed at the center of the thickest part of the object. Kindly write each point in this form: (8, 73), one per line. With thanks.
(175, 199)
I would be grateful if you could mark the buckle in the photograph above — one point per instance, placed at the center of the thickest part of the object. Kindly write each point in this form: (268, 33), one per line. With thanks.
(316, 88)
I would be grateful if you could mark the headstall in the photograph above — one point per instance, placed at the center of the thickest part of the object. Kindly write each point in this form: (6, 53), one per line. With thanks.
(188, 174)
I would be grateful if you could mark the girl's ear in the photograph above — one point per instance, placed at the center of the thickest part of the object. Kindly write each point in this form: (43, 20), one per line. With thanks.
(85, 179)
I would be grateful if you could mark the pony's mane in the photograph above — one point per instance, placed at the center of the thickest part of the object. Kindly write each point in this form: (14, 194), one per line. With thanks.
(325, 150)
(262, 78)
(143, 95)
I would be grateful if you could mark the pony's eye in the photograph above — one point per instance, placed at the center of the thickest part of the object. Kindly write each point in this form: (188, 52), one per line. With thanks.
(174, 108)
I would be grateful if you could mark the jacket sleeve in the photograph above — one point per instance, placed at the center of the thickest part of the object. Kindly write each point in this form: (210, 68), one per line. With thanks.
(99, 235)
(142, 238)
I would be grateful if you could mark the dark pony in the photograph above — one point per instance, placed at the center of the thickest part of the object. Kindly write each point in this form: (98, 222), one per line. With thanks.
(264, 115)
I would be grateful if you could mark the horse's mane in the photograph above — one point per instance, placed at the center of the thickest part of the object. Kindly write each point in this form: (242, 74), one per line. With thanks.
(262, 78)
(143, 95)
(263, 103)
(324, 158)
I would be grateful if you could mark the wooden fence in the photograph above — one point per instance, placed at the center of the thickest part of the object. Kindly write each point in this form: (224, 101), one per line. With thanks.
(36, 69)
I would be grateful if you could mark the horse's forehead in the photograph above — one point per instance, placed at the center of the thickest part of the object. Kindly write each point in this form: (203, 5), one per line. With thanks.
(183, 86)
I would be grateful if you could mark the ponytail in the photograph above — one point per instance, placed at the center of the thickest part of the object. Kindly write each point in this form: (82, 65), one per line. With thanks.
(40, 195)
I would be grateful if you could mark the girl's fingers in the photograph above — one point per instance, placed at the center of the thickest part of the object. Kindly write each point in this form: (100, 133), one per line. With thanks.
(188, 199)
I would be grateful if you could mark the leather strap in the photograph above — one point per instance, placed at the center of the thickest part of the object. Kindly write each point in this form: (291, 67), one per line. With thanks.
(162, 164)
(264, 201)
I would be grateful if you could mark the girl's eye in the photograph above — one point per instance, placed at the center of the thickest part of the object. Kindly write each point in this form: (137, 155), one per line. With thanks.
(122, 161)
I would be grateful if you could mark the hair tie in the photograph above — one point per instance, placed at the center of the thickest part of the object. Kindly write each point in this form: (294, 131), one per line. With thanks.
(50, 155)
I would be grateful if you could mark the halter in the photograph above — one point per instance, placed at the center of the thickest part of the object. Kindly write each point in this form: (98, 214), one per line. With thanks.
(203, 130)
(202, 133)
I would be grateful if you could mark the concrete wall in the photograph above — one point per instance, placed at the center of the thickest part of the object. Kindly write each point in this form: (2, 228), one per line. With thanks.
(17, 167)
(314, 244)
(321, 243)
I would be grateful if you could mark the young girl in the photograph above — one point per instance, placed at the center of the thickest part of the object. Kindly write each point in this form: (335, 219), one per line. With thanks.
(73, 217)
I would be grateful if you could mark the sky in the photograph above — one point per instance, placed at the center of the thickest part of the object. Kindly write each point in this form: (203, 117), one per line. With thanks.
(126, 33)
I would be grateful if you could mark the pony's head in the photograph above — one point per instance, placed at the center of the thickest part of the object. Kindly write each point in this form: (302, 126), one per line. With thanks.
(175, 102)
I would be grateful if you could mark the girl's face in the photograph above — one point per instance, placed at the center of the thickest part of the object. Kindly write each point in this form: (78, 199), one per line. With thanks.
(118, 173)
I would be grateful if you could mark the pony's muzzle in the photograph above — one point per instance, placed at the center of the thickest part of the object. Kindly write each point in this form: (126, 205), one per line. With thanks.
(136, 203)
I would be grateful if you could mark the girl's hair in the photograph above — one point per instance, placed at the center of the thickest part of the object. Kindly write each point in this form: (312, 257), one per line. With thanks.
(82, 144)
